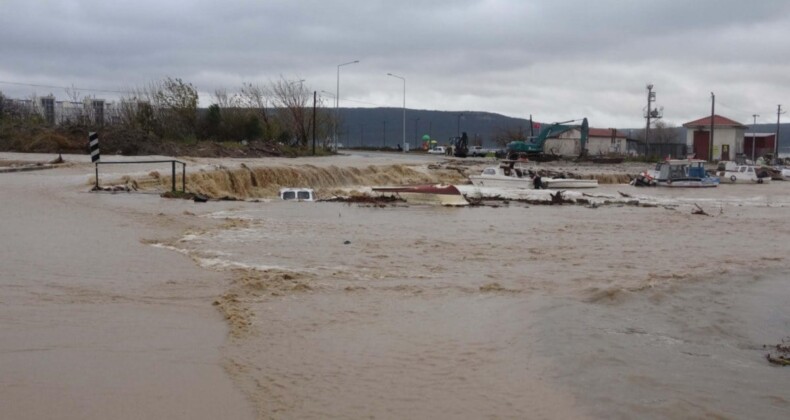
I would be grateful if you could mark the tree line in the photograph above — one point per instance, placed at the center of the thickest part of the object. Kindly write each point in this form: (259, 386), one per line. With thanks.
(280, 111)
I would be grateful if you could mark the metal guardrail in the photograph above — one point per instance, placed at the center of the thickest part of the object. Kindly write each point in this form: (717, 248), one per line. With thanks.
(173, 166)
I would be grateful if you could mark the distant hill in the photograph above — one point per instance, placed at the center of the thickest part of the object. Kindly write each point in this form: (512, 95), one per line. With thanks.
(384, 126)
(374, 127)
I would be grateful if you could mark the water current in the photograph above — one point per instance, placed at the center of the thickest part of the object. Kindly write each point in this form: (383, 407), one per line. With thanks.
(350, 311)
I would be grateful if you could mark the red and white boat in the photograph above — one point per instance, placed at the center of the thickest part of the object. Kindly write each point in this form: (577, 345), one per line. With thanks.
(445, 195)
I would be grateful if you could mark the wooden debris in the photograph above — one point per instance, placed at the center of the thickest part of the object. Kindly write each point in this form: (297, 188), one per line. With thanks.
(699, 211)
(558, 199)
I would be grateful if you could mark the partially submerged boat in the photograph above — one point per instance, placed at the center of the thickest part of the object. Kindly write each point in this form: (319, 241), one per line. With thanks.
(297, 194)
(731, 173)
(510, 174)
(690, 173)
(445, 195)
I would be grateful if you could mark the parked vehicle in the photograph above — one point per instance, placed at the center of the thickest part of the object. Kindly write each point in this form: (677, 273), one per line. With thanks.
(479, 151)
(438, 150)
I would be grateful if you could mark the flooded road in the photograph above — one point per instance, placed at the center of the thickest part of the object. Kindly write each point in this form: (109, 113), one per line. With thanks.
(511, 312)
(332, 310)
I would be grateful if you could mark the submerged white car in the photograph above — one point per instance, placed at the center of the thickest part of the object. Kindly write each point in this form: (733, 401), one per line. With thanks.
(297, 194)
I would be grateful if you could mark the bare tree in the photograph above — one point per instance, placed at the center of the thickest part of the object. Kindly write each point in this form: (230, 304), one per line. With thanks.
(290, 98)
(73, 94)
(178, 102)
(257, 98)
(504, 135)
(663, 133)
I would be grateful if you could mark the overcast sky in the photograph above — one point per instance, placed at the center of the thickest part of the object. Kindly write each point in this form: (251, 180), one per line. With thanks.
(557, 60)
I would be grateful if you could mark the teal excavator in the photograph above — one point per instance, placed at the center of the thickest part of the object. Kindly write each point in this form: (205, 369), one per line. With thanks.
(533, 148)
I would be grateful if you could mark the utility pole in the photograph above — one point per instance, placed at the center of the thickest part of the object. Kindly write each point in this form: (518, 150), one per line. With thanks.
(651, 96)
(315, 98)
(712, 116)
(754, 133)
(776, 146)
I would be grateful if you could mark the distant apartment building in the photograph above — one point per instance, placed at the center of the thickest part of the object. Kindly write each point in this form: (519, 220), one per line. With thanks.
(90, 111)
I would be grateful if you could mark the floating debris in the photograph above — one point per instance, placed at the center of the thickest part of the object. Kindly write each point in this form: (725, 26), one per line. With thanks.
(780, 355)
(699, 211)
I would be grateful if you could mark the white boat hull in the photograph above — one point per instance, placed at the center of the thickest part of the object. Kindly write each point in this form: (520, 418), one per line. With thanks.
(685, 184)
(501, 182)
(527, 183)
(570, 183)
(738, 178)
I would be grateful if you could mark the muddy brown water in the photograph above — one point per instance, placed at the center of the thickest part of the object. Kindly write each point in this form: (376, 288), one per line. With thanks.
(513, 312)
(355, 311)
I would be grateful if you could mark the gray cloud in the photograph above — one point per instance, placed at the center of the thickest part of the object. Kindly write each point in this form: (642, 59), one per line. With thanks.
(554, 59)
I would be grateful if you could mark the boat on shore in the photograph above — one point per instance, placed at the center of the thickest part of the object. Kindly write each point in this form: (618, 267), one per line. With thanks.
(511, 175)
(679, 173)
(445, 195)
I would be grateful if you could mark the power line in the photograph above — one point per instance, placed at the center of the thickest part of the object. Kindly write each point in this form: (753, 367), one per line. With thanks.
(363, 102)
(64, 87)
(740, 111)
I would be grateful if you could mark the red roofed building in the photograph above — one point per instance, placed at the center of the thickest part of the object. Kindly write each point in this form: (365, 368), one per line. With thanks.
(727, 138)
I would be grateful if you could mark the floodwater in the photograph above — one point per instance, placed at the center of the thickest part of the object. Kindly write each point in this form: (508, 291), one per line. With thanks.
(349, 311)
(361, 311)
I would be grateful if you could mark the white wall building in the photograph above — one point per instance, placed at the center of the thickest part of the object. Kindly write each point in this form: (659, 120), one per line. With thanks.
(727, 138)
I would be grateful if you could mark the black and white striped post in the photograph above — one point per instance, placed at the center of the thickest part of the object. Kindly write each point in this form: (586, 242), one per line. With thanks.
(93, 144)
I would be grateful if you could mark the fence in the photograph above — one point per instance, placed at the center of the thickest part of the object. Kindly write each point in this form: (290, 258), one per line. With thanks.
(173, 166)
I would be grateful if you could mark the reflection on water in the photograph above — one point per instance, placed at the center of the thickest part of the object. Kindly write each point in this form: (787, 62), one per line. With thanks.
(520, 312)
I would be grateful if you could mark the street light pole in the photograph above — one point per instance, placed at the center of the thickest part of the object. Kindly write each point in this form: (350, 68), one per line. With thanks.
(404, 107)
(334, 122)
(337, 96)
